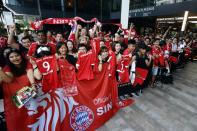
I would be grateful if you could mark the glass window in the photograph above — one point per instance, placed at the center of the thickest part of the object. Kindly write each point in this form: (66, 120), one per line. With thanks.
(69, 4)
(116, 5)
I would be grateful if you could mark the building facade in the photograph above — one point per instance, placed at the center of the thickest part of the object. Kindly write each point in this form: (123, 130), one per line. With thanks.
(61, 8)
(142, 12)
(102, 9)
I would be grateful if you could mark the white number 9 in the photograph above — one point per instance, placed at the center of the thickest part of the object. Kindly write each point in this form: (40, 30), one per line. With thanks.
(46, 65)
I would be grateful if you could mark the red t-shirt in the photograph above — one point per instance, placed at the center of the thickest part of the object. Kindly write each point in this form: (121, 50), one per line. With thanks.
(85, 63)
(34, 45)
(48, 67)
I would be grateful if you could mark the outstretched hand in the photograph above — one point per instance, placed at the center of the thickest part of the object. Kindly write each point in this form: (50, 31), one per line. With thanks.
(12, 28)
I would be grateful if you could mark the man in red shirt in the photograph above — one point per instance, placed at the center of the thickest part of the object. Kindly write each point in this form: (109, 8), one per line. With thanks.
(42, 40)
(123, 67)
(85, 63)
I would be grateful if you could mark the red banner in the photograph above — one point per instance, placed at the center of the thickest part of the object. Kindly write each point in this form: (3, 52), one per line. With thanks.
(95, 103)
(86, 21)
(38, 24)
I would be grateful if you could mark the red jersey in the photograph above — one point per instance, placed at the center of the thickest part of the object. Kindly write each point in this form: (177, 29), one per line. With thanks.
(67, 77)
(34, 45)
(123, 72)
(158, 61)
(95, 44)
(85, 63)
(48, 67)
(123, 67)
(112, 63)
(127, 59)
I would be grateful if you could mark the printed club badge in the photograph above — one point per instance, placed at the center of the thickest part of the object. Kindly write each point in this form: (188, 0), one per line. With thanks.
(81, 118)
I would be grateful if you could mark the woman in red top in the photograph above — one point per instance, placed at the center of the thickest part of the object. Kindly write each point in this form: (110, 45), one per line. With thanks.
(103, 57)
(71, 53)
(17, 74)
(122, 70)
(67, 73)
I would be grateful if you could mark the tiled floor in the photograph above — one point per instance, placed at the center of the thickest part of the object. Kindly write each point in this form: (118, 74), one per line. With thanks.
(171, 108)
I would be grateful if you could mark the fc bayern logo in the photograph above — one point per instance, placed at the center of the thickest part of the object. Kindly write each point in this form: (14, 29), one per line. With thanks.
(81, 118)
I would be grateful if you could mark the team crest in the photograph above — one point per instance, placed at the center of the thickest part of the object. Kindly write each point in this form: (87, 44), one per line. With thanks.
(81, 118)
(37, 24)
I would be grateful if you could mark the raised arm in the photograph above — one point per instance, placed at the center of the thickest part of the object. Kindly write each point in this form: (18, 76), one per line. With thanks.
(79, 27)
(11, 42)
(166, 33)
(36, 72)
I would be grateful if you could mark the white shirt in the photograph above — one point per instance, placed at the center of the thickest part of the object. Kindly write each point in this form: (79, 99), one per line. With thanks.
(174, 47)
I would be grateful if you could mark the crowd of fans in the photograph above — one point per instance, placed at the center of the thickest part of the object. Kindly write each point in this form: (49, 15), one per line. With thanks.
(87, 51)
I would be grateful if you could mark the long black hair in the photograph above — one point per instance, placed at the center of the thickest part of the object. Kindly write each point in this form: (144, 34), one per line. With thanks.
(16, 71)
(113, 47)
(74, 50)
(59, 45)
(102, 49)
